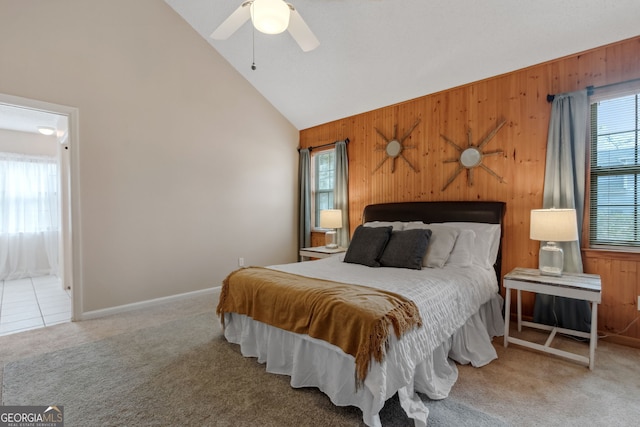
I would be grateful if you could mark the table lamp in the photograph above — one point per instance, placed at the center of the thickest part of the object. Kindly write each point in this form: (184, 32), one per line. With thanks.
(551, 226)
(331, 219)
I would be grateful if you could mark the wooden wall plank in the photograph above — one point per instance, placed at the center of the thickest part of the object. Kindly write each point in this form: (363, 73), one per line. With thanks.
(520, 99)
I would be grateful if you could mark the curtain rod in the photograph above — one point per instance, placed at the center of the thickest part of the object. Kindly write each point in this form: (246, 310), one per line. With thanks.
(346, 141)
(590, 89)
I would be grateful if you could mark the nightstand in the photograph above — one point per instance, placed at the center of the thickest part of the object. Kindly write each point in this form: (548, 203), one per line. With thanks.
(319, 252)
(580, 286)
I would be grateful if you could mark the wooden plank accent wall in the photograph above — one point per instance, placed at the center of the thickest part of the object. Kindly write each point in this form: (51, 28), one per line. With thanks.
(520, 99)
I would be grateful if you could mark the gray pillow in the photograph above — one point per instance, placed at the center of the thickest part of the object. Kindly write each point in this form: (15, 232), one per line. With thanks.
(406, 249)
(441, 243)
(367, 245)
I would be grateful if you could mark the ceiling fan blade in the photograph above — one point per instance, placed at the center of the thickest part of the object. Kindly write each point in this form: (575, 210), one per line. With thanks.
(301, 32)
(233, 22)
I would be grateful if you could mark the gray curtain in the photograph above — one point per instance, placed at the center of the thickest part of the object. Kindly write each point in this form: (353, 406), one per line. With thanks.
(564, 187)
(304, 176)
(341, 192)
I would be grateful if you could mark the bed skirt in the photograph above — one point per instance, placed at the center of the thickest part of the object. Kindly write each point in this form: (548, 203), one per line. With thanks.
(314, 363)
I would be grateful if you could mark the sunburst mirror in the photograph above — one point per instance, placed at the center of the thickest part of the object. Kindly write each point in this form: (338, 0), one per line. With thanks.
(472, 156)
(393, 148)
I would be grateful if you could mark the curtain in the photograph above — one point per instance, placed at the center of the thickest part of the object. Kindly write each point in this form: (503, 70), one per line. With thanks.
(564, 187)
(29, 224)
(341, 192)
(304, 177)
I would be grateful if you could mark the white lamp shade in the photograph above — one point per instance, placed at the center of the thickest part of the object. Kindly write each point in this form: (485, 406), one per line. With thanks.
(554, 225)
(331, 218)
(270, 16)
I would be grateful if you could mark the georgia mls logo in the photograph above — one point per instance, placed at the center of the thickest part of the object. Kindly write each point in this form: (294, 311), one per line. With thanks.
(57, 412)
(31, 416)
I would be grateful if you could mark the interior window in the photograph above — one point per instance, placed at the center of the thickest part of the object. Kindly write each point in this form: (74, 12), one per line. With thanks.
(28, 194)
(323, 175)
(615, 171)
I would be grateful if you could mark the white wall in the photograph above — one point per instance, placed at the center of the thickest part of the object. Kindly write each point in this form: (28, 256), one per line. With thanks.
(184, 167)
(28, 143)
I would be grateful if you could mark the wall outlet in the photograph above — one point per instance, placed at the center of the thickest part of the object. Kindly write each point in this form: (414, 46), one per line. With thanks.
(240, 262)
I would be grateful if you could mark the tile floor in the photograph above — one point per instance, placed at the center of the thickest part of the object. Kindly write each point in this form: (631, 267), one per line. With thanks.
(32, 303)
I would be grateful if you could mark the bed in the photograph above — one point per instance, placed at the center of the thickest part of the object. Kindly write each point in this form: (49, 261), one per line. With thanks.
(455, 290)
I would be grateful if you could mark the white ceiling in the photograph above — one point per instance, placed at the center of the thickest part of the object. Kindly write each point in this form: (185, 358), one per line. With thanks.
(28, 120)
(375, 53)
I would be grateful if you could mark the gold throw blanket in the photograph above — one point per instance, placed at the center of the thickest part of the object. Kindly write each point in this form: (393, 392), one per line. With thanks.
(355, 318)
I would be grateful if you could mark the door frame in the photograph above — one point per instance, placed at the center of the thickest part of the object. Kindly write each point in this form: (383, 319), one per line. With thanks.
(70, 219)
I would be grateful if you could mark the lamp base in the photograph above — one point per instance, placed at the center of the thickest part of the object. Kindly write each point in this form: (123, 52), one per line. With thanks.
(551, 260)
(330, 240)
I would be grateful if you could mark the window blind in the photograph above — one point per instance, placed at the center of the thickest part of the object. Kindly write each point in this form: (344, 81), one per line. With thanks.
(615, 168)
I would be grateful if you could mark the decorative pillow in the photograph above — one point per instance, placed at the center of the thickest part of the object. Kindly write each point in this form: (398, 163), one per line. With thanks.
(440, 245)
(486, 243)
(462, 253)
(367, 245)
(397, 225)
(406, 249)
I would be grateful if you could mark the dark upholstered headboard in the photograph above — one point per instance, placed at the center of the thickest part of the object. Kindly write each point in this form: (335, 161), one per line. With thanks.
(429, 212)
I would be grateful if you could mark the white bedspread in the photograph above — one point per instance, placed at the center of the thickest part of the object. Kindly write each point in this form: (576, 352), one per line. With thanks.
(460, 309)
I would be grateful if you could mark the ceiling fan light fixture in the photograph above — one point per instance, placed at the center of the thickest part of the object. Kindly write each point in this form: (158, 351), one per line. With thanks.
(270, 16)
(46, 130)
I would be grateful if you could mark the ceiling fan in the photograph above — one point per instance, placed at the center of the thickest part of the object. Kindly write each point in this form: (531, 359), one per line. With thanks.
(269, 17)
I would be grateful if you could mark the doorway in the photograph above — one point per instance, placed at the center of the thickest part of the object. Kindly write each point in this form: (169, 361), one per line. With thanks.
(33, 132)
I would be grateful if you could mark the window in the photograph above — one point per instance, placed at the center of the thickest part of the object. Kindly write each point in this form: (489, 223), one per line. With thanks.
(28, 194)
(615, 170)
(323, 174)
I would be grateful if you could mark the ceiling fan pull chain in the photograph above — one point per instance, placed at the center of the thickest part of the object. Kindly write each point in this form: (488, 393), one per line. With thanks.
(253, 47)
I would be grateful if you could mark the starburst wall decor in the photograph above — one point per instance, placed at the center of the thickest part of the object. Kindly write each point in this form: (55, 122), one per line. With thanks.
(471, 157)
(394, 148)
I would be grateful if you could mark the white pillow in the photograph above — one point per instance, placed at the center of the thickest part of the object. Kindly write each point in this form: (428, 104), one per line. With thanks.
(487, 241)
(397, 225)
(415, 224)
(441, 243)
(462, 253)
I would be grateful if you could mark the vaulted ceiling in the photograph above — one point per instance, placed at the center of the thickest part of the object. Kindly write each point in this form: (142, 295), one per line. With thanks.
(375, 53)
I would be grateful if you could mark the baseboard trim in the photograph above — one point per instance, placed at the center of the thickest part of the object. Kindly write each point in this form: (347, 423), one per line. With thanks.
(622, 340)
(95, 314)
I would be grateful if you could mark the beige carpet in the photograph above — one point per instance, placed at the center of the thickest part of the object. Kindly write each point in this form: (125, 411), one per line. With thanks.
(522, 387)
